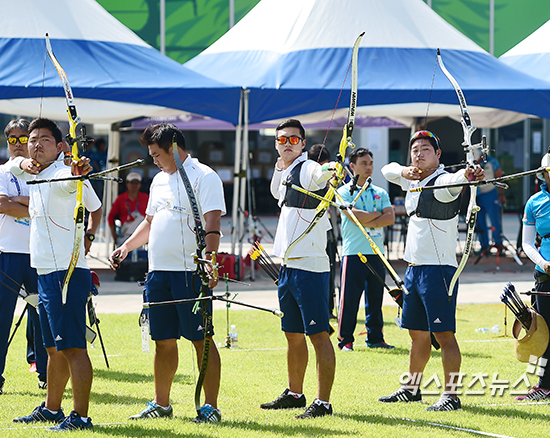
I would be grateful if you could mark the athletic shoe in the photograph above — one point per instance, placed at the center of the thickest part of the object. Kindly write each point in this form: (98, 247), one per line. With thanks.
(42, 384)
(208, 414)
(153, 410)
(347, 347)
(380, 345)
(315, 410)
(2, 386)
(445, 403)
(286, 401)
(72, 422)
(402, 395)
(536, 394)
(41, 414)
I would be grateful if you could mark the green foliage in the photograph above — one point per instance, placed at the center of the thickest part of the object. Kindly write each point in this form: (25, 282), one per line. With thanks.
(191, 25)
(256, 372)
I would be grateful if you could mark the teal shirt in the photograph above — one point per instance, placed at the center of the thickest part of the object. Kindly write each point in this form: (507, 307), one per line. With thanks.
(373, 199)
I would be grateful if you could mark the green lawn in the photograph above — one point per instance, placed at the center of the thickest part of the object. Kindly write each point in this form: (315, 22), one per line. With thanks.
(256, 373)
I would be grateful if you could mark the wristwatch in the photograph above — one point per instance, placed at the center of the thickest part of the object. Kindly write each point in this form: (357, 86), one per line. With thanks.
(90, 236)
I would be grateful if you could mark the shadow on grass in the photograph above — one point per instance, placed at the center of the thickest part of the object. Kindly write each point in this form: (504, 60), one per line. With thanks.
(407, 422)
(159, 428)
(107, 398)
(126, 377)
(506, 411)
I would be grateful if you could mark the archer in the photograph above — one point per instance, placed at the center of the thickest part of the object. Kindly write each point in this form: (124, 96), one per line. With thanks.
(430, 251)
(303, 282)
(51, 208)
(168, 228)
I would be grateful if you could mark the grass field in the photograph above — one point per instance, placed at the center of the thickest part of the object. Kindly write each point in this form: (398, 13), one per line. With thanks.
(256, 372)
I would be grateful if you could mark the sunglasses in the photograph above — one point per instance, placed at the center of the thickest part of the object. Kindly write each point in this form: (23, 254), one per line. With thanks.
(293, 139)
(23, 139)
(424, 134)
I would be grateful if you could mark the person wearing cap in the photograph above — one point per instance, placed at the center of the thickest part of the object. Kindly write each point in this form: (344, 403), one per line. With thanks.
(536, 220)
(431, 253)
(129, 208)
(15, 263)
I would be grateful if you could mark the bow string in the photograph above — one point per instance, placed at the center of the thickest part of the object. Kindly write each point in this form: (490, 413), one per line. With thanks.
(345, 143)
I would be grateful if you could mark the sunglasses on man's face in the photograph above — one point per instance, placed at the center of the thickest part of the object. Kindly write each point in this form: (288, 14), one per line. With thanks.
(293, 139)
(23, 139)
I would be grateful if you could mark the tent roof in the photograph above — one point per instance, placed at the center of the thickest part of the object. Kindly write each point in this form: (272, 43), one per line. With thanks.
(113, 73)
(296, 63)
(532, 55)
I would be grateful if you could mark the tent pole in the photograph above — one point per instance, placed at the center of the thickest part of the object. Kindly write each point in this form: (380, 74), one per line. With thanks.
(243, 173)
(236, 180)
(111, 188)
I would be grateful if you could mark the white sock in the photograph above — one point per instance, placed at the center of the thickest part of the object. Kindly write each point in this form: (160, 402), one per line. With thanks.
(53, 412)
(326, 404)
(294, 394)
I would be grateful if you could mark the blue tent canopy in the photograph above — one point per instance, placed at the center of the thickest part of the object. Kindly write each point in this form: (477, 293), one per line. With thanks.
(114, 74)
(295, 63)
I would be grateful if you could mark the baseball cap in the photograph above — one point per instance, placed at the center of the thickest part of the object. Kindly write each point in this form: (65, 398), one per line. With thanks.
(535, 341)
(133, 176)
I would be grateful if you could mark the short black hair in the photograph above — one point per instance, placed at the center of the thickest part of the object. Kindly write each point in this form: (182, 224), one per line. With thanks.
(292, 123)
(50, 125)
(22, 124)
(359, 152)
(319, 153)
(163, 135)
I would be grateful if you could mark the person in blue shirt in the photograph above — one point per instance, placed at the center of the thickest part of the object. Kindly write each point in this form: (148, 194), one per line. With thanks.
(536, 220)
(374, 211)
(489, 199)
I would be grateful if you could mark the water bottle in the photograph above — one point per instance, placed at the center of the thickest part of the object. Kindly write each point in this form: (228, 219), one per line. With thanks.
(233, 337)
(145, 334)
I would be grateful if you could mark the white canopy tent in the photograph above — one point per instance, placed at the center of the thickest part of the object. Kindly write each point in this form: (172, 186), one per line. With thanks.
(294, 64)
(114, 75)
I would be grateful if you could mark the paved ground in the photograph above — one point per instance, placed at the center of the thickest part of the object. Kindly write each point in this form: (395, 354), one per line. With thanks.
(479, 283)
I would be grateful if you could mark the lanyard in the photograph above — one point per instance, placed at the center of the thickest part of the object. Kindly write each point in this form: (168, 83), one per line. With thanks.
(373, 201)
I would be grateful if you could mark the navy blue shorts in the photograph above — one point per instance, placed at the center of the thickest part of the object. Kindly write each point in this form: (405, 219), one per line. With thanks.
(427, 306)
(174, 320)
(64, 327)
(303, 298)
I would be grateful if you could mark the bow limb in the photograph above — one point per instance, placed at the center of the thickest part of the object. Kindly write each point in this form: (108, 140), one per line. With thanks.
(468, 129)
(347, 137)
(395, 277)
(74, 120)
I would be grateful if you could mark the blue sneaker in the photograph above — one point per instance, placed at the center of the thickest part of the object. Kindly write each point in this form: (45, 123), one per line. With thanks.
(73, 422)
(40, 415)
(208, 414)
